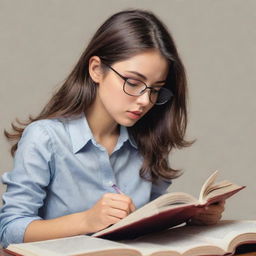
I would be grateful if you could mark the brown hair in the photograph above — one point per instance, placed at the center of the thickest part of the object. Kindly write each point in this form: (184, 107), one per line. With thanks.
(120, 37)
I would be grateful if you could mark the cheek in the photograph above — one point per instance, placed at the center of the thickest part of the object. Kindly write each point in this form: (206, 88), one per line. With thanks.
(112, 95)
(148, 108)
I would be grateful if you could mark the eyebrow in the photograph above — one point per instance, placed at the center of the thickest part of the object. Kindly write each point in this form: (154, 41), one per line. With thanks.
(145, 78)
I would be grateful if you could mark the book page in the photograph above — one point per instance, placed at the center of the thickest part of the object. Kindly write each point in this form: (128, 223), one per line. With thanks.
(173, 199)
(208, 183)
(196, 240)
(71, 246)
(212, 192)
(223, 191)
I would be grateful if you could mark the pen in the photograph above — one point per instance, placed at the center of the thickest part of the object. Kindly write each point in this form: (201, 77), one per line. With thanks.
(117, 189)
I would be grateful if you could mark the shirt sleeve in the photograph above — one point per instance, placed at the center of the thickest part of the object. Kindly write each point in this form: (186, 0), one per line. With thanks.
(26, 184)
(159, 188)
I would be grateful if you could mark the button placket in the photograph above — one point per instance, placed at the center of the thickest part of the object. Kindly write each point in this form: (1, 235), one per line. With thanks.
(106, 170)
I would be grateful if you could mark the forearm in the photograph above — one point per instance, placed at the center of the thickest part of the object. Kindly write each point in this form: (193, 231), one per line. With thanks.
(69, 225)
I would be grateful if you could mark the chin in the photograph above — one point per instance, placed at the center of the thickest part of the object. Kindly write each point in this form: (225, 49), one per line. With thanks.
(127, 123)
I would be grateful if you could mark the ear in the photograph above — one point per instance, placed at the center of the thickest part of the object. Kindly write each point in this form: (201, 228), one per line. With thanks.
(95, 70)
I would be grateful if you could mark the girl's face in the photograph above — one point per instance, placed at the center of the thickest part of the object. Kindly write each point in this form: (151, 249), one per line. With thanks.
(150, 67)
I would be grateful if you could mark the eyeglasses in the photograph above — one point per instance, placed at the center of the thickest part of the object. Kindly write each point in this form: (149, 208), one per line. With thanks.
(133, 87)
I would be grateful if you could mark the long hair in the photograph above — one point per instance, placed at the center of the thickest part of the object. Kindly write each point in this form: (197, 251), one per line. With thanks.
(120, 37)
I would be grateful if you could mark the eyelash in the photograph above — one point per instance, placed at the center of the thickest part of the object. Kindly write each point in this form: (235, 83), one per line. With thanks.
(136, 79)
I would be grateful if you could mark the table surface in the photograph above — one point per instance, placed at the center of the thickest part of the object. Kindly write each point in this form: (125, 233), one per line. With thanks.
(245, 250)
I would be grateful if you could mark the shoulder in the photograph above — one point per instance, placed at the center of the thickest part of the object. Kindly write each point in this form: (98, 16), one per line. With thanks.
(43, 131)
(45, 126)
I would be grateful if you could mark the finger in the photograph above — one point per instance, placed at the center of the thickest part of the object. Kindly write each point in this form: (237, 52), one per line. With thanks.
(194, 221)
(113, 196)
(214, 208)
(219, 203)
(118, 197)
(126, 204)
(217, 210)
(119, 205)
(222, 203)
(120, 201)
(127, 200)
(132, 207)
(208, 215)
(112, 220)
(210, 220)
(206, 220)
(117, 213)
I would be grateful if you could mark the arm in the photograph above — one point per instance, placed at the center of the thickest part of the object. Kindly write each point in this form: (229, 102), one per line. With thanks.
(27, 186)
(159, 188)
(108, 210)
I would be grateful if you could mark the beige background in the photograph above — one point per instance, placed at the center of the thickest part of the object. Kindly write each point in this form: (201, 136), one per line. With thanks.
(42, 40)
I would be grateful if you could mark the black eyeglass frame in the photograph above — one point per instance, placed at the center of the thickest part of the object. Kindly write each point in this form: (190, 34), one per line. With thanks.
(167, 91)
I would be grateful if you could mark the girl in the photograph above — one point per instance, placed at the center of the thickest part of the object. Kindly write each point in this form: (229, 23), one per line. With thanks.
(113, 122)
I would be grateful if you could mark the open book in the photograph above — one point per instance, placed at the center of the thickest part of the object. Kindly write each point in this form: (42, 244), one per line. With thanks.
(220, 239)
(169, 210)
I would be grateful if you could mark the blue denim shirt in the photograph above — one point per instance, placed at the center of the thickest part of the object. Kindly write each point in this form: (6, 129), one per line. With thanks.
(60, 169)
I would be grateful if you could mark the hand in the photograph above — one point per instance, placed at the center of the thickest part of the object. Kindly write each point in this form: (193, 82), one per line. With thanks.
(209, 215)
(107, 211)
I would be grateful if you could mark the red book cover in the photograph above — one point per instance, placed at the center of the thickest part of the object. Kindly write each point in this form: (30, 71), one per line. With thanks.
(163, 220)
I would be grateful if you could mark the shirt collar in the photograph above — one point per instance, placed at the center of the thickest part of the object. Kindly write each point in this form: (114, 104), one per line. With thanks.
(132, 140)
(124, 136)
(81, 134)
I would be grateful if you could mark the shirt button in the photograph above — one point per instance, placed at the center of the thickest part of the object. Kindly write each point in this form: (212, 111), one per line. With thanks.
(109, 183)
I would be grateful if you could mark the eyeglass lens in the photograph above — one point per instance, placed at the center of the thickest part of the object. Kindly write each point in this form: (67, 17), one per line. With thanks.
(158, 95)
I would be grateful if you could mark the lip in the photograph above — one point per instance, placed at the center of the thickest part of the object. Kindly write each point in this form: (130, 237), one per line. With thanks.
(134, 114)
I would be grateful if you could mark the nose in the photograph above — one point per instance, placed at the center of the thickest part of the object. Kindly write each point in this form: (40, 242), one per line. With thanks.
(144, 99)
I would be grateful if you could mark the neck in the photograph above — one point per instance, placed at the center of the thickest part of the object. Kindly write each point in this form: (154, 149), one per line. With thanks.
(101, 124)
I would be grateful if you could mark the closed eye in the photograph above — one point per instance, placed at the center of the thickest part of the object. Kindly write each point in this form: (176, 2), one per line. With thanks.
(155, 89)
(134, 82)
